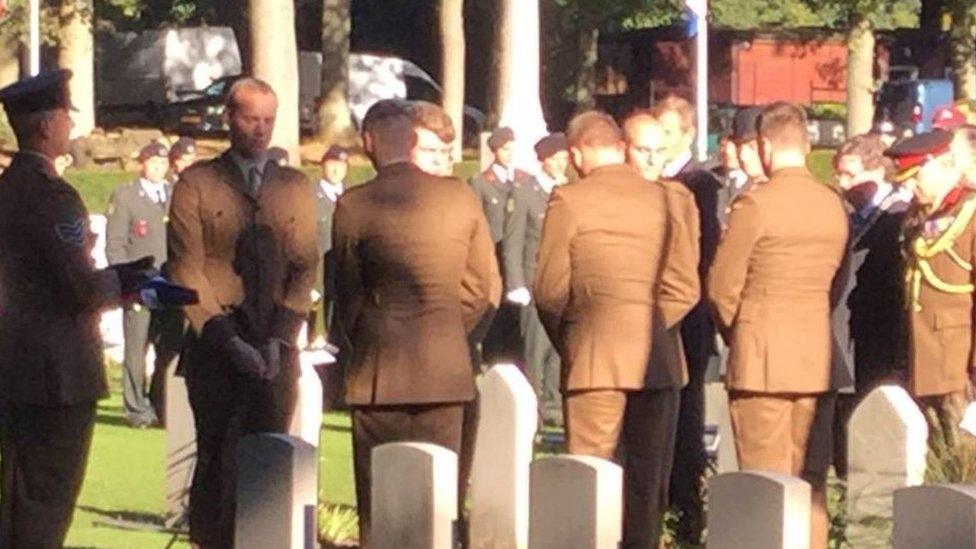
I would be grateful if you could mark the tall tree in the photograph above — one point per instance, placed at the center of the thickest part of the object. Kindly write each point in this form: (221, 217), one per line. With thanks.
(274, 58)
(962, 47)
(76, 52)
(335, 118)
(452, 65)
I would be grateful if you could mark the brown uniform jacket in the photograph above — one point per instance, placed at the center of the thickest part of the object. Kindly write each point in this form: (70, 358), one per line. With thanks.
(415, 271)
(50, 292)
(941, 350)
(616, 264)
(256, 255)
(771, 281)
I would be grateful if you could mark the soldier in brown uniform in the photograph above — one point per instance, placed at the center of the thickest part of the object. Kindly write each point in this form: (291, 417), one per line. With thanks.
(770, 287)
(613, 266)
(242, 232)
(51, 364)
(941, 251)
(415, 271)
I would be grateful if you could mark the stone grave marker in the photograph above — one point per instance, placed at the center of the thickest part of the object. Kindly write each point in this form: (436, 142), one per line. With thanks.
(499, 516)
(414, 496)
(886, 449)
(576, 502)
(276, 482)
(935, 517)
(306, 422)
(758, 510)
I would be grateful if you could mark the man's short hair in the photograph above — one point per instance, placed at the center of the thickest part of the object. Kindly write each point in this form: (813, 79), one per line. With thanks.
(678, 105)
(870, 149)
(27, 126)
(968, 134)
(636, 117)
(247, 84)
(784, 124)
(432, 117)
(593, 129)
(390, 123)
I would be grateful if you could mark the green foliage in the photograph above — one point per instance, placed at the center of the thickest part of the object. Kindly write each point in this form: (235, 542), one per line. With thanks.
(14, 25)
(827, 111)
(338, 525)
(951, 464)
(760, 14)
(883, 14)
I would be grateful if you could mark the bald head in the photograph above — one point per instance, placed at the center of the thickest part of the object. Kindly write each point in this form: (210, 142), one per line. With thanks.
(647, 150)
(252, 107)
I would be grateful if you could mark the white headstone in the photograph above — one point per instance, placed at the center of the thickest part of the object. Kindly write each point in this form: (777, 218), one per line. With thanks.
(758, 510)
(499, 516)
(277, 483)
(414, 496)
(181, 450)
(306, 422)
(576, 503)
(935, 517)
(886, 450)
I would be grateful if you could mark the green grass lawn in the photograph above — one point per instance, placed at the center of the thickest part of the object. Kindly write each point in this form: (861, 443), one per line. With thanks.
(124, 481)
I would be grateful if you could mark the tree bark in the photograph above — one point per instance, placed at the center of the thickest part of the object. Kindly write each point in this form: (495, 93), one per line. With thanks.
(585, 89)
(860, 76)
(76, 52)
(452, 66)
(274, 59)
(335, 124)
(503, 65)
(962, 48)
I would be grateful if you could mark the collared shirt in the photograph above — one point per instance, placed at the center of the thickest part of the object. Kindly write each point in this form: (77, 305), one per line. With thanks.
(155, 189)
(674, 167)
(246, 164)
(502, 173)
(332, 190)
(884, 197)
(546, 182)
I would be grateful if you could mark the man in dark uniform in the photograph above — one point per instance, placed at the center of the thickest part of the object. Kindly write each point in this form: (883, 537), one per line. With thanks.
(520, 243)
(501, 340)
(335, 166)
(51, 364)
(409, 291)
(940, 244)
(136, 227)
(242, 233)
(677, 117)
(744, 142)
(869, 327)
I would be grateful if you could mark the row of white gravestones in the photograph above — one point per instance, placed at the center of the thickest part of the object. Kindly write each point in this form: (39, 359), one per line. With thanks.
(886, 447)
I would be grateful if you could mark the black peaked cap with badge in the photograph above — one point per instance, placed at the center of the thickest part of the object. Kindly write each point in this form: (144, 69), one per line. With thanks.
(911, 154)
(744, 124)
(44, 92)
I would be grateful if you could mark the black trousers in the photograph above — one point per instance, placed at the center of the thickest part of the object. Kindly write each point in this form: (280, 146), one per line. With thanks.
(164, 331)
(690, 458)
(648, 437)
(227, 406)
(43, 455)
(373, 426)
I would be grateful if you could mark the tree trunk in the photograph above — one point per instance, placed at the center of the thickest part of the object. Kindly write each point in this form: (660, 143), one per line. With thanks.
(274, 59)
(452, 65)
(76, 52)
(962, 48)
(335, 125)
(585, 94)
(860, 76)
(503, 64)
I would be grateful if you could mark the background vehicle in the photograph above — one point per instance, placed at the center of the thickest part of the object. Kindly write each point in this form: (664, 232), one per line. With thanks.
(909, 103)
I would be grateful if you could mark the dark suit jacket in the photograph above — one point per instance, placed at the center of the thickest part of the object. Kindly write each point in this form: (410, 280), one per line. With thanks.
(255, 255)
(136, 225)
(415, 271)
(698, 328)
(869, 325)
(50, 292)
(614, 267)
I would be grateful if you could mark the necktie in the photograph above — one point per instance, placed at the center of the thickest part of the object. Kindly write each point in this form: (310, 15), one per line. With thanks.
(254, 180)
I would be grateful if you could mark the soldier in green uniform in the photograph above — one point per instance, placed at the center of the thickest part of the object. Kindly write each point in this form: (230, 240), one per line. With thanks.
(51, 295)
(941, 244)
(526, 211)
(137, 216)
(499, 334)
(335, 166)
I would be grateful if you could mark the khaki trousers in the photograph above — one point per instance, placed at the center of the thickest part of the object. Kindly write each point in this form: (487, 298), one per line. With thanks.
(789, 434)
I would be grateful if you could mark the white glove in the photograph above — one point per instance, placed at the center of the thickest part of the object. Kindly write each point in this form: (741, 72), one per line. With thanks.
(519, 296)
(315, 295)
